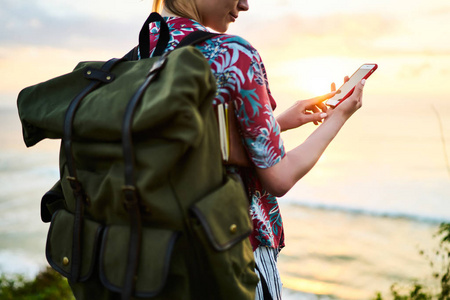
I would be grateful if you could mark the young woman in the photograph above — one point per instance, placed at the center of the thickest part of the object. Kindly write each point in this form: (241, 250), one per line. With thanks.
(241, 80)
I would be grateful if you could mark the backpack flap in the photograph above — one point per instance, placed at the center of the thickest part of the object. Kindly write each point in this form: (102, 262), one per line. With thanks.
(187, 80)
(154, 261)
(224, 215)
(59, 246)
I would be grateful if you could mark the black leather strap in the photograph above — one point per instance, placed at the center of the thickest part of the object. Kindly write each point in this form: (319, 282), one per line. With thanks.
(74, 183)
(132, 200)
(96, 80)
(144, 36)
(127, 140)
(132, 54)
(196, 37)
(163, 40)
(97, 76)
(134, 249)
(131, 194)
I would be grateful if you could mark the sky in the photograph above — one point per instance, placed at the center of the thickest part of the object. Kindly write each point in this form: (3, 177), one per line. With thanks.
(305, 45)
(392, 155)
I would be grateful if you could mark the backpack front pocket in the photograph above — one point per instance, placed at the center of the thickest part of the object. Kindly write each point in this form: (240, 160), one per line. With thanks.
(154, 261)
(59, 248)
(222, 225)
(225, 219)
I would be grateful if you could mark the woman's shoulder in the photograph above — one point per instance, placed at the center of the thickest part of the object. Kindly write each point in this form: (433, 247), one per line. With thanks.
(230, 40)
(232, 44)
(183, 27)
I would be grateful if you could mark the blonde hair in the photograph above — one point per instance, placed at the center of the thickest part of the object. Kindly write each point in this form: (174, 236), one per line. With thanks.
(181, 8)
(157, 6)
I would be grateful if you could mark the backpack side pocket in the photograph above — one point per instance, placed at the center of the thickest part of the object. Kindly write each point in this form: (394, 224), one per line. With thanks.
(222, 224)
(60, 240)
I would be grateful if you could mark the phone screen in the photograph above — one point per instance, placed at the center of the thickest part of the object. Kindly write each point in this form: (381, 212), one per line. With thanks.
(347, 88)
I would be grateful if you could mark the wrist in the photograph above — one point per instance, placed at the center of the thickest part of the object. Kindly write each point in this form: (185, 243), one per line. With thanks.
(338, 115)
(281, 123)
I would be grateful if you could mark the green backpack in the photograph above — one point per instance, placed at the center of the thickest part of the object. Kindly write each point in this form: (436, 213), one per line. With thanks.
(143, 208)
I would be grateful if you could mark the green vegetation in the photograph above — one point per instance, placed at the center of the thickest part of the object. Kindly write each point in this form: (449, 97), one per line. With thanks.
(48, 285)
(416, 292)
(440, 262)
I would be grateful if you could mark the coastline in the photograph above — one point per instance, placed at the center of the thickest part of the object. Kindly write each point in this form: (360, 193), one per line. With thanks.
(342, 255)
(328, 254)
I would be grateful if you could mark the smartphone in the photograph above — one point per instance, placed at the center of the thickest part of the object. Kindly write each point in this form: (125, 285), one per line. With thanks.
(347, 88)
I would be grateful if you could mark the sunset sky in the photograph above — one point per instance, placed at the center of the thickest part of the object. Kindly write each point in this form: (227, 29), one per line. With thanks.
(304, 44)
(391, 157)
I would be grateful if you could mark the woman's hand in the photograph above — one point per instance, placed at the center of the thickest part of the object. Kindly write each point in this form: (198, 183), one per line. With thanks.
(333, 85)
(281, 177)
(352, 103)
(304, 111)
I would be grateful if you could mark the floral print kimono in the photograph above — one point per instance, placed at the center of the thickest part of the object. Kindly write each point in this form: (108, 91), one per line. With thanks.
(241, 77)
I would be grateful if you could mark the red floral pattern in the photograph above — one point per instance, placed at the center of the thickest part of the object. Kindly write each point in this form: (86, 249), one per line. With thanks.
(241, 77)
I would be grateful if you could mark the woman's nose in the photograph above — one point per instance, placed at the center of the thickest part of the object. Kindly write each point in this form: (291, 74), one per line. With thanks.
(243, 5)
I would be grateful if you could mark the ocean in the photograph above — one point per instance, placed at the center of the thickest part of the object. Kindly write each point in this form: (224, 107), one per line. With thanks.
(354, 225)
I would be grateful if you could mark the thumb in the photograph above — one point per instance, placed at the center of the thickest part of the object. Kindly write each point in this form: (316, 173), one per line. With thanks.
(359, 88)
(319, 99)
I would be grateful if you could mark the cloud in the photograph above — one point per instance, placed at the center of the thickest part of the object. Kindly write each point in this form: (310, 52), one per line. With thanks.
(43, 39)
(415, 70)
(335, 34)
(439, 12)
(367, 26)
(31, 24)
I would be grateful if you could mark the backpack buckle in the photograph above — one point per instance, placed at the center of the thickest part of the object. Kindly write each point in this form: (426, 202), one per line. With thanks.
(77, 189)
(131, 196)
(158, 65)
(74, 184)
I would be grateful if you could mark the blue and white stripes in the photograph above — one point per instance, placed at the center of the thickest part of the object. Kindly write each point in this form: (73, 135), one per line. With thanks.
(266, 261)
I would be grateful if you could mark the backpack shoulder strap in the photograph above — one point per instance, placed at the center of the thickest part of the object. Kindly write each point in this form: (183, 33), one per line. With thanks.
(144, 39)
(196, 37)
(132, 55)
(144, 36)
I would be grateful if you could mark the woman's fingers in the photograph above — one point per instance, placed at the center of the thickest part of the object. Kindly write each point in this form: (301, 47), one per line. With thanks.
(333, 85)
(322, 107)
(359, 90)
(318, 100)
(354, 102)
(315, 118)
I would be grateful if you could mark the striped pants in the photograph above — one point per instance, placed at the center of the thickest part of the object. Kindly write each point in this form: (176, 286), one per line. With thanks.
(266, 262)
